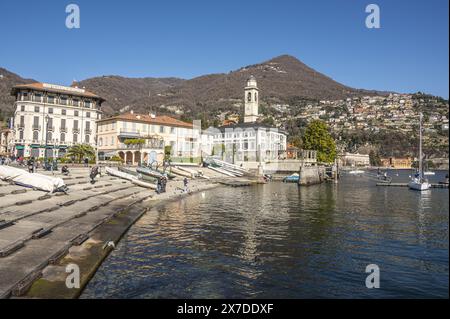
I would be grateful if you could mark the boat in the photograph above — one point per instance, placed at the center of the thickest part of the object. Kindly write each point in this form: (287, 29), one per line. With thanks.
(418, 182)
(129, 177)
(356, 172)
(429, 173)
(138, 175)
(221, 171)
(294, 178)
(148, 172)
(32, 180)
(180, 172)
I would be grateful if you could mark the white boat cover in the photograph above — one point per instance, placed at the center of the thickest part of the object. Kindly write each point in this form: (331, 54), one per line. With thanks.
(31, 180)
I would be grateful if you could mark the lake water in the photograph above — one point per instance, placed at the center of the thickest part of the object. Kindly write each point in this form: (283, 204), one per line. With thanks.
(282, 241)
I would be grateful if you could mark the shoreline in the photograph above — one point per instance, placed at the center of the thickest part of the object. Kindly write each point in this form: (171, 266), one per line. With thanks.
(91, 254)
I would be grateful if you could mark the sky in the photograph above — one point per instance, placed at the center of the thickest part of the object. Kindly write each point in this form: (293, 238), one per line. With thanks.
(189, 38)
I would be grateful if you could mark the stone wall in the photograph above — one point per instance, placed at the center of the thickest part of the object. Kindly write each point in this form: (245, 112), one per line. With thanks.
(310, 175)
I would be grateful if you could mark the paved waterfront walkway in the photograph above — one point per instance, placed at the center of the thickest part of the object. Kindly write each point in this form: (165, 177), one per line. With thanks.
(38, 229)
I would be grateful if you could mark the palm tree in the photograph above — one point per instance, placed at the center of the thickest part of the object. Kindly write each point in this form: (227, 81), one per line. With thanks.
(80, 151)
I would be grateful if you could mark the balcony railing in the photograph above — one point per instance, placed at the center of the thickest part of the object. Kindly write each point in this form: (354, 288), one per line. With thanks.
(36, 127)
(20, 126)
(63, 129)
(88, 131)
(76, 130)
(50, 128)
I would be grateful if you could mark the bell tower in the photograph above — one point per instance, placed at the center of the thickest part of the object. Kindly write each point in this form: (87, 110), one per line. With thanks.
(251, 101)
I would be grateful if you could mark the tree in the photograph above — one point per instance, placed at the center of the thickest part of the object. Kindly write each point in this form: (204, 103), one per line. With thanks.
(296, 140)
(167, 153)
(318, 138)
(80, 151)
(375, 159)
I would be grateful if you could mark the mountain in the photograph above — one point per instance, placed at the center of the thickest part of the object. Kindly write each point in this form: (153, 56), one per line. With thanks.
(7, 81)
(121, 92)
(281, 80)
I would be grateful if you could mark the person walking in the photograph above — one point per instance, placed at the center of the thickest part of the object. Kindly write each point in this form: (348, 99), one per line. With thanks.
(86, 162)
(185, 182)
(94, 173)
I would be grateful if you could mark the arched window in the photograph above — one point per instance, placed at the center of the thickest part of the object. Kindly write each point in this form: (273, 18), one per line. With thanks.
(100, 141)
(75, 138)
(86, 139)
(35, 135)
(49, 136)
(249, 97)
(63, 137)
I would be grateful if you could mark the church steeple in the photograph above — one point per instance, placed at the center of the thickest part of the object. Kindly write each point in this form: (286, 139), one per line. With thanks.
(251, 101)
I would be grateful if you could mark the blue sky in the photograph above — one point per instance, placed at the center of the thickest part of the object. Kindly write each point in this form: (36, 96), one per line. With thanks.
(138, 38)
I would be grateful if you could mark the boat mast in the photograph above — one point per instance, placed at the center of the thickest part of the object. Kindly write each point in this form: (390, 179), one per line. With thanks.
(420, 148)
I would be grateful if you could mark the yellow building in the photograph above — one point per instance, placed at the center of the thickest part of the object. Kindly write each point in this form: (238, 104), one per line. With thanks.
(115, 133)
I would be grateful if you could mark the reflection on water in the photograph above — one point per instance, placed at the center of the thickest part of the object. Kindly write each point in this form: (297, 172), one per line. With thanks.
(281, 241)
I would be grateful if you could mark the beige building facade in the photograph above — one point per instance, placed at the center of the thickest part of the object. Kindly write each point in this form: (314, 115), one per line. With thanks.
(117, 136)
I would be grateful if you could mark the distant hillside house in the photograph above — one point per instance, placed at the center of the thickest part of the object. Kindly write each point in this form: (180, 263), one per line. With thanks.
(250, 141)
(50, 118)
(156, 132)
(350, 159)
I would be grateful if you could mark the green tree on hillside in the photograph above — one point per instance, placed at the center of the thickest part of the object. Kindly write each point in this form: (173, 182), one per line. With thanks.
(318, 138)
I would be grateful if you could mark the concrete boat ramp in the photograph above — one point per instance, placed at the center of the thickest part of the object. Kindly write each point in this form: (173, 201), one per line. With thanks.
(38, 230)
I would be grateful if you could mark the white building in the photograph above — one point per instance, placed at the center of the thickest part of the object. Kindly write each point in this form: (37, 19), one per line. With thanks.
(250, 141)
(53, 118)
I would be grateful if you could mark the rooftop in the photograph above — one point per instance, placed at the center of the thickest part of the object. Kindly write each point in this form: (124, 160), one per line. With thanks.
(147, 118)
(46, 87)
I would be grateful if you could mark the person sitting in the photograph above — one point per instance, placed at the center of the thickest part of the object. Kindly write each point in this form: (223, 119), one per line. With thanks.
(65, 170)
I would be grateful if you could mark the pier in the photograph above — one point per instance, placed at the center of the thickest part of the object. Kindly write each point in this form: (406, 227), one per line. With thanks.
(443, 185)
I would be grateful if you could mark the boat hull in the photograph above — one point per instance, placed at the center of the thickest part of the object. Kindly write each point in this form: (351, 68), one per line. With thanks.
(419, 186)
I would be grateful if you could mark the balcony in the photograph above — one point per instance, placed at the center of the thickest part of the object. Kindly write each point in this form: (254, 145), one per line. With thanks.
(20, 126)
(63, 129)
(36, 127)
(50, 128)
(88, 131)
(76, 130)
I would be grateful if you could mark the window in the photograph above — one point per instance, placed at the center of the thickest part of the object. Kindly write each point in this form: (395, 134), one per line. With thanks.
(20, 135)
(63, 100)
(249, 97)
(75, 124)
(161, 129)
(87, 104)
(35, 136)
(22, 108)
(100, 142)
(51, 99)
(49, 136)
(112, 140)
(75, 138)
(63, 112)
(172, 130)
(256, 97)
(75, 113)
(63, 137)
(76, 102)
(37, 109)
(50, 110)
(35, 122)
(88, 114)
(63, 123)
(86, 139)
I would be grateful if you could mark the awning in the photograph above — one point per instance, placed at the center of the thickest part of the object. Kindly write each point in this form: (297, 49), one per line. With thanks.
(20, 147)
(35, 146)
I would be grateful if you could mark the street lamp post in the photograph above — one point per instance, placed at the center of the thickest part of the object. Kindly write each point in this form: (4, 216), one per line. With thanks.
(46, 141)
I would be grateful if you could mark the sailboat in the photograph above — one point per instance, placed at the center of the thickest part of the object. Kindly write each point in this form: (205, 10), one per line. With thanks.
(418, 182)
